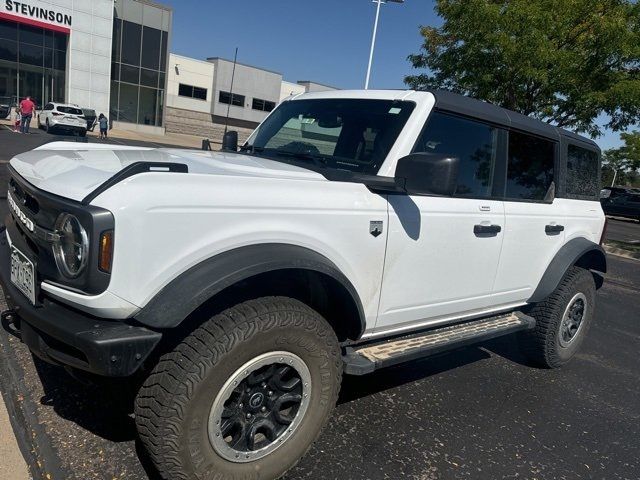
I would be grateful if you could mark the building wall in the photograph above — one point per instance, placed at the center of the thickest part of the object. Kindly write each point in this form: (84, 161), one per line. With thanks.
(249, 81)
(188, 71)
(203, 125)
(89, 49)
(287, 89)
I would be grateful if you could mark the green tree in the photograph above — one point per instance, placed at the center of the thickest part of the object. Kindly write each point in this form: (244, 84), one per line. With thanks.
(621, 165)
(565, 62)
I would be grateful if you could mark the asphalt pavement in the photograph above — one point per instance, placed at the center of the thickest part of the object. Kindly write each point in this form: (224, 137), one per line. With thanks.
(476, 413)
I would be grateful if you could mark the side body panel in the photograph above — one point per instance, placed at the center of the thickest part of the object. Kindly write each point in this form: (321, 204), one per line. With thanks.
(527, 248)
(436, 266)
(167, 232)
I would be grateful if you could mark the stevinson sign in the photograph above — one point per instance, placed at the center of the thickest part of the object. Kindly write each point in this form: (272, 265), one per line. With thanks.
(35, 15)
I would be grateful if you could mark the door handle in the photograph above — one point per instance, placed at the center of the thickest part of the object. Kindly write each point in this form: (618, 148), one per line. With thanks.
(486, 230)
(551, 229)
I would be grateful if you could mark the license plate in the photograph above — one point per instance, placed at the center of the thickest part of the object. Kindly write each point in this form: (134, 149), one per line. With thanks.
(23, 274)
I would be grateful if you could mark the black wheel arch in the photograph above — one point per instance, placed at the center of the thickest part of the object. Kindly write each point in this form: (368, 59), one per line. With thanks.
(579, 252)
(263, 263)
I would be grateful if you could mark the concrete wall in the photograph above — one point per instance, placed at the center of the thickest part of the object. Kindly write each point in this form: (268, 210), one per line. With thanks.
(192, 72)
(202, 125)
(287, 89)
(249, 81)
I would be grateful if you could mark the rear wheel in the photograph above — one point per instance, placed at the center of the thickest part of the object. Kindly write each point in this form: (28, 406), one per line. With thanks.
(562, 320)
(243, 396)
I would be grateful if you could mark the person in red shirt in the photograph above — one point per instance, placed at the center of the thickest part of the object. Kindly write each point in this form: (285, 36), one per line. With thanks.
(27, 109)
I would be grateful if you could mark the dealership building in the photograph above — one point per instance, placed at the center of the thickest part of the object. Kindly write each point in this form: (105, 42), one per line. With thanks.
(113, 57)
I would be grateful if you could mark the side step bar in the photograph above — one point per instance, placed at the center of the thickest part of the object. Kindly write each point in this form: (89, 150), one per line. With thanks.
(364, 359)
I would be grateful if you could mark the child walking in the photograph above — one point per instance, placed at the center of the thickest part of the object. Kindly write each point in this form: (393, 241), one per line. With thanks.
(17, 121)
(104, 126)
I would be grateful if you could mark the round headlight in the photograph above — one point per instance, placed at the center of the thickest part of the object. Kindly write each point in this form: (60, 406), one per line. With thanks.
(72, 248)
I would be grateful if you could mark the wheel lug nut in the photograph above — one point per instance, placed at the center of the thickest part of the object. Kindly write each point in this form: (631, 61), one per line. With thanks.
(269, 393)
(264, 385)
(248, 415)
(264, 409)
(241, 405)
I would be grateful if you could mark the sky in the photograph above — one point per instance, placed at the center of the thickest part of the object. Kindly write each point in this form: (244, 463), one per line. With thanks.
(325, 41)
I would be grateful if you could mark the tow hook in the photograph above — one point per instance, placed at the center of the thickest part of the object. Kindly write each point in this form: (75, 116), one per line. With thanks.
(11, 323)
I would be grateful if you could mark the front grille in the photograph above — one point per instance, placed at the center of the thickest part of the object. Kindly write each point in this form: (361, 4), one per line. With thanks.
(24, 198)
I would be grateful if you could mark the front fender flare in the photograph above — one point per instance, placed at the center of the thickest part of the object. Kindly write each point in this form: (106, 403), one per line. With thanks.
(183, 295)
(572, 253)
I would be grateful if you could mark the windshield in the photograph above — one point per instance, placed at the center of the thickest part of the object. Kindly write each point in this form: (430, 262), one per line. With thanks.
(346, 134)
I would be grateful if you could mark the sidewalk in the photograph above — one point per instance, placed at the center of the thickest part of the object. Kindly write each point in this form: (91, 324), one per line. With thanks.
(12, 464)
(177, 140)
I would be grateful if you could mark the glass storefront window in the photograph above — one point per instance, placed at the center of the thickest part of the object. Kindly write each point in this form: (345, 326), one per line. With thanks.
(151, 44)
(149, 78)
(31, 55)
(148, 106)
(31, 35)
(129, 74)
(132, 35)
(128, 107)
(9, 51)
(33, 62)
(8, 31)
(139, 61)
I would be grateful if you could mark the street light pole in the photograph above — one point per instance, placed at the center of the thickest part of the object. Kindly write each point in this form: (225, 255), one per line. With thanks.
(373, 37)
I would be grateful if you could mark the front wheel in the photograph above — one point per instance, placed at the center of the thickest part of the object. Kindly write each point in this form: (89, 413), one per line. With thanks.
(243, 396)
(562, 320)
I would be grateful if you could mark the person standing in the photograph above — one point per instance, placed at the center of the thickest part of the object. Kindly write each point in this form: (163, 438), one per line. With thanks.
(104, 126)
(27, 109)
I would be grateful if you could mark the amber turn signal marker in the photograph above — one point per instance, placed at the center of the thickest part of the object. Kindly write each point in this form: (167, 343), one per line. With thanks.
(106, 251)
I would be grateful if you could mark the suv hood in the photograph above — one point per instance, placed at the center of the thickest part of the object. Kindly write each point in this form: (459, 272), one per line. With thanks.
(74, 171)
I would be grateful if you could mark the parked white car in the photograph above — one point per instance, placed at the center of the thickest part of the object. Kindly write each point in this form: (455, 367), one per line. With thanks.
(353, 231)
(63, 117)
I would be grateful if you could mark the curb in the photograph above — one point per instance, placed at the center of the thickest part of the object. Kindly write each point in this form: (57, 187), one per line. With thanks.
(620, 252)
(41, 458)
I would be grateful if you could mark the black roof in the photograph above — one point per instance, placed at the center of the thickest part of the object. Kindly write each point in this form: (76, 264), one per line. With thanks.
(501, 116)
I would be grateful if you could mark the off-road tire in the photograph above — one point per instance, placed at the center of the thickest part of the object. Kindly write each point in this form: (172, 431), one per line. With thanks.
(542, 344)
(173, 405)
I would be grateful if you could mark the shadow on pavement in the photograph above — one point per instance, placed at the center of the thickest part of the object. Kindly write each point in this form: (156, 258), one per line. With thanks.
(104, 410)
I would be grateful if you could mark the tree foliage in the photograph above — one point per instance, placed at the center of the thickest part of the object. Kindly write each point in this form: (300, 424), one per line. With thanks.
(624, 161)
(562, 61)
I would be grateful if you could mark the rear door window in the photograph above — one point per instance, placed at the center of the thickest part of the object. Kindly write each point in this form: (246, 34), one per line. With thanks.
(582, 173)
(474, 143)
(70, 110)
(530, 168)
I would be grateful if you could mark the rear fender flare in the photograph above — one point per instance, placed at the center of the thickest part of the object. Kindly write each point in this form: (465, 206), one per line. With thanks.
(580, 252)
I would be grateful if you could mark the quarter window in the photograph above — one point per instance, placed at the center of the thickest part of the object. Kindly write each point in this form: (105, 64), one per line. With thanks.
(473, 143)
(530, 167)
(582, 172)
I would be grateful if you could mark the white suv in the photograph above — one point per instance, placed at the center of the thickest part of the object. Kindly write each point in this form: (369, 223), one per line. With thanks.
(353, 231)
(62, 117)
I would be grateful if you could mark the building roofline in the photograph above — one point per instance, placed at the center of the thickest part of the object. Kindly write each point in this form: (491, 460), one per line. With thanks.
(155, 4)
(191, 59)
(212, 59)
(300, 82)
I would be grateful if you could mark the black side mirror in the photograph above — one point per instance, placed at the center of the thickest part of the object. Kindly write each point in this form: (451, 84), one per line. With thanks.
(427, 174)
(230, 141)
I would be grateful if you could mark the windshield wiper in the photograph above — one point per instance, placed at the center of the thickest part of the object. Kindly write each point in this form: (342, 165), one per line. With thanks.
(251, 149)
(319, 160)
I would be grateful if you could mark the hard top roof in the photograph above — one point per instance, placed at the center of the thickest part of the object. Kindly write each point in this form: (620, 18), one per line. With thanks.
(463, 105)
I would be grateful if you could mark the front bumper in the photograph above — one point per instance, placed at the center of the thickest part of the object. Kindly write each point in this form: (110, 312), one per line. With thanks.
(61, 335)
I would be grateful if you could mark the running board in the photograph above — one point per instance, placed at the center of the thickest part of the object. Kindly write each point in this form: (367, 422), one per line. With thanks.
(364, 359)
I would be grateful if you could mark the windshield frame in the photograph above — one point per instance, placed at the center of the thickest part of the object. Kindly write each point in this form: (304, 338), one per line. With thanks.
(322, 162)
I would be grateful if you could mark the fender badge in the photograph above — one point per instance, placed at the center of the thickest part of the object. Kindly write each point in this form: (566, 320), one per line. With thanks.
(375, 228)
